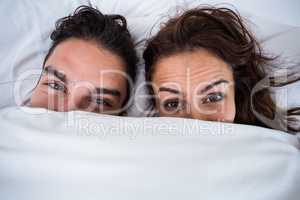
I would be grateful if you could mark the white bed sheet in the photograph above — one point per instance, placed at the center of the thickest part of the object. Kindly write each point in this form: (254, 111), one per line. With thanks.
(77, 155)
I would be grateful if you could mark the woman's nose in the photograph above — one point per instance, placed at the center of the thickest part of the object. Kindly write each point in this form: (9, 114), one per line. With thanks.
(194, 112)
(190, 112)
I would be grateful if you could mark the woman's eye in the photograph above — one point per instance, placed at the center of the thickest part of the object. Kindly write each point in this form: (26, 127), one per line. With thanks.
(171, 105)
(213, 98)
(57, 86)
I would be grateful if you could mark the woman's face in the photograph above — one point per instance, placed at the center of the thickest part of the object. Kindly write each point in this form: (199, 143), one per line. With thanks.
(194, 84)
(80, 75)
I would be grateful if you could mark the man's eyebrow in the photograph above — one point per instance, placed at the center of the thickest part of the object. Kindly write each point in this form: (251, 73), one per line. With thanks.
(165, 89)
(210, 86)
(112, 92)
(51, 70)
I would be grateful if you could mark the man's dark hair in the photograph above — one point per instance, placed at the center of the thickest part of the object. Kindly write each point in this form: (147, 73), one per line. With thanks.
(109, 31)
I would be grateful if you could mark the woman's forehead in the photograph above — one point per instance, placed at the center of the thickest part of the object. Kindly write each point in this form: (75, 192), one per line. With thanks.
(198, 66)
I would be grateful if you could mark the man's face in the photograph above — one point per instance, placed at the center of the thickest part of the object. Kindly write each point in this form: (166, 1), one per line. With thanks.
(80, 75)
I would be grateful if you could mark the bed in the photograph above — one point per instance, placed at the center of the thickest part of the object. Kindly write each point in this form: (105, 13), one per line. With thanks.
(77, 155)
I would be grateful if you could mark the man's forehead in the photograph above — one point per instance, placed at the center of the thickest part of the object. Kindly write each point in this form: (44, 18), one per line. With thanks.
(81, 54)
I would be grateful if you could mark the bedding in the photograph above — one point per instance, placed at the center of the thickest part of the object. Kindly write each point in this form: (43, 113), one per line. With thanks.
(78, 155)
(28, 24)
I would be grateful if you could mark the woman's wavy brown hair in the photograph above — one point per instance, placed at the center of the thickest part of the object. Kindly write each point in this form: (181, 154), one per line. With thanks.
(222, 32)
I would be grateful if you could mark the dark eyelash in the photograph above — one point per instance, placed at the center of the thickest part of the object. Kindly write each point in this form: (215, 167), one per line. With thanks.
(64, 89)
(220, 94)
(170, 101)
(105, 101)
(177, 101)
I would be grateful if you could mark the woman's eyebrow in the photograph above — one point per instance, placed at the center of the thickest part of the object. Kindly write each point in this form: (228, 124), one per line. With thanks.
(165, 89)
(210, 86)
(51, 70)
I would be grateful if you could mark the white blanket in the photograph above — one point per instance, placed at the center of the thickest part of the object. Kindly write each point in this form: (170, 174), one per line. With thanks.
(47, 155)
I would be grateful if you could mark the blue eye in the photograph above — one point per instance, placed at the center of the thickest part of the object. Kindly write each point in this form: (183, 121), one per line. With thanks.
(57, 86)
(213, 98)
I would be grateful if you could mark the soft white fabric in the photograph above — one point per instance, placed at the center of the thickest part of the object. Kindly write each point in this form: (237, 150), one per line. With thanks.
(62, 156)
(26, 26)
(286, 12)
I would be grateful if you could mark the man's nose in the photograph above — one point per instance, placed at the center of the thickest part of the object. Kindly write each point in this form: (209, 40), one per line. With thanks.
(80, 99)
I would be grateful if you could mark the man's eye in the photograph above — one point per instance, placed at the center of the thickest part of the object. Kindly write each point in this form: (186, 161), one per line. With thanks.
(213, 98)
(57, 86)
(103, 102)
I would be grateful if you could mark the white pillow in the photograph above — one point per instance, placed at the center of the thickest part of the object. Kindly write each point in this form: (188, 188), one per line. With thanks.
(26, 27)
(25, 38)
